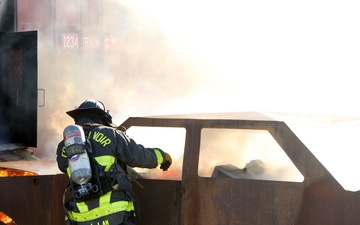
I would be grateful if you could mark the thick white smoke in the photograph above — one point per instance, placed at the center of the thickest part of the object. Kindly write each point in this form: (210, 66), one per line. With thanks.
(208, 56)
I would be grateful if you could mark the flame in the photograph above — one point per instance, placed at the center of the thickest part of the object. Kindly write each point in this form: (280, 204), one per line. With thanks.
(6, 172)
(6, 220)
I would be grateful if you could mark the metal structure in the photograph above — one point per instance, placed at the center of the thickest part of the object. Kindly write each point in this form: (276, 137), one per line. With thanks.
(18, 82)
(33, 199)
(319, 199)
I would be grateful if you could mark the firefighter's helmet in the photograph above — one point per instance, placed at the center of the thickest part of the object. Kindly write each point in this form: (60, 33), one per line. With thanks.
(91, 106)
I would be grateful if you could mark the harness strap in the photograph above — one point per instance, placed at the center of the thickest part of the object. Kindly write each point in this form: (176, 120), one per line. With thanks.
(106, 160)
(105, 208)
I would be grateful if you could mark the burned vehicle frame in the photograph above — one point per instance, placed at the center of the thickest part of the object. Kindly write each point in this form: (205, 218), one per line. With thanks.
(318, 199)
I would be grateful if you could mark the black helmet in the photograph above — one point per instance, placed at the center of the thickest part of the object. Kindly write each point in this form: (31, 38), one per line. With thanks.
(91, 106)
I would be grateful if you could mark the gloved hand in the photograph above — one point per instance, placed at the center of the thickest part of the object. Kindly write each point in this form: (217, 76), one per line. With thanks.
(166, 163)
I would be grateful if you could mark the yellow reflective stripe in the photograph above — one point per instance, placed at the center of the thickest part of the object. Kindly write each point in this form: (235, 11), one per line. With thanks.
(82, 207)
(101, 211)
(105, 199)
(68, 172)
(159, 156)
(106, 160)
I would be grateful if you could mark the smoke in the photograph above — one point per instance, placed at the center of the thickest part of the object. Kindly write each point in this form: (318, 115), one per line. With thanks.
(148, 76)
(197, 56)
(254, 151)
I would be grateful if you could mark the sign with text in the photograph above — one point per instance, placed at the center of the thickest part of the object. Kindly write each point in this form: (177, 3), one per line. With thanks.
(91, 42)
(73, 41)
(112, 43)
(70, 41)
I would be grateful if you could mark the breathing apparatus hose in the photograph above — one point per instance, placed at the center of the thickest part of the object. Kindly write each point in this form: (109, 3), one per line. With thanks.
(65, 209)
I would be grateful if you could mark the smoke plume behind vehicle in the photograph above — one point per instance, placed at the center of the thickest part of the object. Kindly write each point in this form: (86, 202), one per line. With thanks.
(184, 57)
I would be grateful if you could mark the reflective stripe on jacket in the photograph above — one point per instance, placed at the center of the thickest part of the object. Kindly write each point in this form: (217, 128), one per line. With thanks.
(105, 208)
(109, 146)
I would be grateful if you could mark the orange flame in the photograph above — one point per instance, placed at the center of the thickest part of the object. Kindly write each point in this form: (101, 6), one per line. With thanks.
(6, 172)
(6, 220)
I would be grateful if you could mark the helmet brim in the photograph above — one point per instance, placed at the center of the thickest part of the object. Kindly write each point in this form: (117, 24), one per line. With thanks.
(74, 113)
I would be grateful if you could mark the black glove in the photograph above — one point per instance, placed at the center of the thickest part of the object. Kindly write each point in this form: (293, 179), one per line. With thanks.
(166, 163)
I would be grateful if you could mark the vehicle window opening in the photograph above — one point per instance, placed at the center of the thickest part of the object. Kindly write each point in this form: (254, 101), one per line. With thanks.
(168, 139)
(244, 154)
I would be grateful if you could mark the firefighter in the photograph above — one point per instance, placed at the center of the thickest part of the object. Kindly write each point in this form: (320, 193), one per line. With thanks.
(114, 204)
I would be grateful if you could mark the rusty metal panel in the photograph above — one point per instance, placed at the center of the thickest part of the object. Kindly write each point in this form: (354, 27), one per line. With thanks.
(351, 203)
(234, 201)
(159, 202)
(33, 200)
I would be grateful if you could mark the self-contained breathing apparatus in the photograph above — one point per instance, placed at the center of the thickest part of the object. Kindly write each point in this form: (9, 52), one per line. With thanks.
(87, 178)
(84, 172)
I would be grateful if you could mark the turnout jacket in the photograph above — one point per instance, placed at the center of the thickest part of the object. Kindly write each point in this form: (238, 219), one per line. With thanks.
(109, 146)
